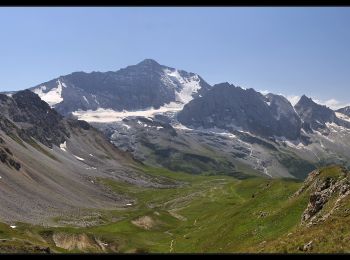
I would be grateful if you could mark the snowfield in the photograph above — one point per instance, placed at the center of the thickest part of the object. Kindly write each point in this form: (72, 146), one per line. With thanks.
(53, 96)
(189, 85)
(102, 115)
(342, 116)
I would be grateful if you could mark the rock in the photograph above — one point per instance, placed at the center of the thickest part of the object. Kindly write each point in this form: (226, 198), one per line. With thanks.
(228, 107)
(315, 116)
(262, 214)
(308, 246)
(6, 158)
(322, 188)
(344, 110)
(27, 116)
(42, 249)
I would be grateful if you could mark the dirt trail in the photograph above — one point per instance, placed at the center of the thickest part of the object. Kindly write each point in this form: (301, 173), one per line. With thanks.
(171, 246)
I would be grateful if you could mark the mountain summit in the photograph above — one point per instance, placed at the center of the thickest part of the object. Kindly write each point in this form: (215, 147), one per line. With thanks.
(313, 115)
(228, 107)
(141, 86)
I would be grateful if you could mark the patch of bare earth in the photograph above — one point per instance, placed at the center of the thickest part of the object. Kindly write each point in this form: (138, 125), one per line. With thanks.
(144, 222)
(75, 241)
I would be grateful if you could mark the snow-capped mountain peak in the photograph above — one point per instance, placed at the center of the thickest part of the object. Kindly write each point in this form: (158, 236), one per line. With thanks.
(146, 85)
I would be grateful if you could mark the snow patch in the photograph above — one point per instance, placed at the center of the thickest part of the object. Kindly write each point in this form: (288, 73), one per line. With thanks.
(190, 85)
(102, 115)
(181, 127)
(342, 116)
(267, 172)
(79, 158)
(87, 101)
(95, 99)
(63, 146)
(126, 126)
(294, 144)
(53, 96)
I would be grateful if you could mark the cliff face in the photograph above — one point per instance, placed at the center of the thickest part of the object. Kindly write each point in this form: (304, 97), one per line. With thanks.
(228, 107)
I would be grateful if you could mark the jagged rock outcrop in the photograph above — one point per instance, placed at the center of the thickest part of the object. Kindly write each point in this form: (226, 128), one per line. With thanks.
(6, 157)
(327, 188)
(26, 115)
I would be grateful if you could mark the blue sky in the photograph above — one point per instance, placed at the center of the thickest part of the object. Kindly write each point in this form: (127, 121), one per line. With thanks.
(292, 51)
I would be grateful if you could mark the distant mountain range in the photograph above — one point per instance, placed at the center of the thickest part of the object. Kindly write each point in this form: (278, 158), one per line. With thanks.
(234, 125)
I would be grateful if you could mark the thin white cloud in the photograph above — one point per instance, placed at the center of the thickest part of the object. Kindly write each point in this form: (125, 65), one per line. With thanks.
(332, 103)
(264, 92)
(293, 99)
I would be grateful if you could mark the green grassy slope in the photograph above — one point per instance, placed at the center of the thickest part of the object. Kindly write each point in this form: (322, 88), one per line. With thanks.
(206, 214)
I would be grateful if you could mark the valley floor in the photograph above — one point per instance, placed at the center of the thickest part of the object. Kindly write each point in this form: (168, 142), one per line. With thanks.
(207, 214)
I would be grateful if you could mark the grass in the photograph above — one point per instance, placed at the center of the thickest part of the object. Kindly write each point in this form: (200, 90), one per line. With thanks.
(329, 236)
(208, 214)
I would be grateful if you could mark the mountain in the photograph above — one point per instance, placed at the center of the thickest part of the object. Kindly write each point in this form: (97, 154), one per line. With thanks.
(228, 107)
(344, 110)
(50, 165)
(28, 116)
(316, 117)
(141, 86)
(313, 115)
(165, 117)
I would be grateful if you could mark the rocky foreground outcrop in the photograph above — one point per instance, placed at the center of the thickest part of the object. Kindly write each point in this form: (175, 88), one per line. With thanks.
(327, 188)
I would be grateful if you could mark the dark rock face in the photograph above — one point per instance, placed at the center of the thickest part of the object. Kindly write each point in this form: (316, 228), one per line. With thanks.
(79, 124)
(313, 116)
(144, 85)
(228, 107)
(288, 120)
(28, 116)
(6, 157)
